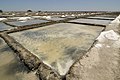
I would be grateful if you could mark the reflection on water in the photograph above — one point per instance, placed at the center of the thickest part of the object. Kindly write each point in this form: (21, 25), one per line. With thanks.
(10, 67)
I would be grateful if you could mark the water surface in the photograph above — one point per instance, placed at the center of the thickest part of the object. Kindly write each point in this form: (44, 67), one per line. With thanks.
(4, 26)
(10, 66)
(27, 22)
(58, 45)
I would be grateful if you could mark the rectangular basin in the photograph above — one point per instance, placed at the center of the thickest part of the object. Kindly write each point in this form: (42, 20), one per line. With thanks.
(58, 45)
(91, 21)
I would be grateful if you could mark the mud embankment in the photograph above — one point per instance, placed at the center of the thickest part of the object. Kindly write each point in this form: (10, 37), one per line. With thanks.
(44, 72)
(26, 27)
(25, 56)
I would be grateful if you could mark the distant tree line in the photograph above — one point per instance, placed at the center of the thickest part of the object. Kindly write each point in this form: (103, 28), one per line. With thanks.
(1, 11)
(32, 11)
(29, 10)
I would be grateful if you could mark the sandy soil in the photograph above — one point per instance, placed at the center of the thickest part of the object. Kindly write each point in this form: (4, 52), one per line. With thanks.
(102, 62)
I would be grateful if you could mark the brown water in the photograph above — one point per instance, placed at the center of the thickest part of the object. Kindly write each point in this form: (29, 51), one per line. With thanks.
(10, 67)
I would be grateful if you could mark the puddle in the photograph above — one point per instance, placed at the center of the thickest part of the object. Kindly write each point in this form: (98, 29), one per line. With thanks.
(58, 45)
(10, 67)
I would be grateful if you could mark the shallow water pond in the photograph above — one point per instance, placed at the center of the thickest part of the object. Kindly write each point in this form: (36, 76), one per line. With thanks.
(10, 66)
(92, 21)
(58, 45)
(4, 26)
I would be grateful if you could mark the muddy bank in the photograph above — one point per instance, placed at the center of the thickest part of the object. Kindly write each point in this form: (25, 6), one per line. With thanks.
(11, 68)
(26, 27)
(30, 60)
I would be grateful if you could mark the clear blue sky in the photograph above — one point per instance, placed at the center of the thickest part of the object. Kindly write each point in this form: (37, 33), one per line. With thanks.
(35, 5)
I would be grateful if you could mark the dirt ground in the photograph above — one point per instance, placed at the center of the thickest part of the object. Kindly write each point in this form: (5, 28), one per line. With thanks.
(99, 64)
(102, 62)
